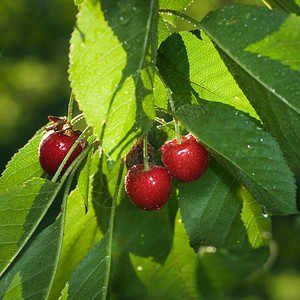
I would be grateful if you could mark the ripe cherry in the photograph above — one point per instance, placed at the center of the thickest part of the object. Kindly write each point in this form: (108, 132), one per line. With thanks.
(149, 190)
(53, 149)
(186, 161)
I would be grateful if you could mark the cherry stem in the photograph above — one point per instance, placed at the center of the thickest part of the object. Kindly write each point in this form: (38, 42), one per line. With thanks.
(172, 105)
(145, 153)
(70, 107)
(111, 223)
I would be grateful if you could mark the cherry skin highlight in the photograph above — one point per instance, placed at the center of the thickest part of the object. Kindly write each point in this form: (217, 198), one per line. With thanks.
(149, 190)
(186, 161)
(53, 149)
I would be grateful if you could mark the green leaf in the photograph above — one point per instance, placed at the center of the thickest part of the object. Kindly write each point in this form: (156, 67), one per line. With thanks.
(211, 208)
(78, 2)
(226, 268)
(84, 179)
(178, 5)
(144, 234)
(251, 154)
(31, 276)
(176, 277)
(257, 224)
(23, 166)
(80, 235)
(163, 30)
(263, 63)
(21, 209)
(189, 63)
(112, 56)
(89, 278)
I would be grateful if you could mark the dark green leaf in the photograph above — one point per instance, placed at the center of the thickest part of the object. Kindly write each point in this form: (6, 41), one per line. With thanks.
(225, 268)
(265, 64)
(116, 43)
(21, 209)
(246, 150)
(31, 276)
(211, 209)
(89, 278)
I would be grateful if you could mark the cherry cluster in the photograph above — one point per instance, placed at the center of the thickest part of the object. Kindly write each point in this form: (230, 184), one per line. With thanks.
(151, 188)
(148, 186)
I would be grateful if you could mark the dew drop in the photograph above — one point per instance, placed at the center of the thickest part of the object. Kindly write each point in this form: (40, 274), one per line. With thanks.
(139, 268)
(265, 214)
(124, 19)
(248, 146)
(258, 55)
(261, 139)
(126, 45)
(253, 174)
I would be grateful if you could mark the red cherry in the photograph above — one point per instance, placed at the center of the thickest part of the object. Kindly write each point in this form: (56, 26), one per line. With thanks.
(53, 149)
(186, 161)
(149, 190)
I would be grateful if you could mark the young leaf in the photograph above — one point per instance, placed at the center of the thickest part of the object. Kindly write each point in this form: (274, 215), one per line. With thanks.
(113, 52)
(176, 278)
(189, 63)
(251, 154)
(23, 166)
(80, 235)
(263, 63)
(21, 209)
(31, 276)
(258, 227)
(211, 208)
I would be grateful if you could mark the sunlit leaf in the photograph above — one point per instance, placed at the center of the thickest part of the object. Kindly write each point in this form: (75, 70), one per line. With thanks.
(178, 5)
(108, 45)
(23, 166)
(189, 63)
(257, 223)
(267, 73)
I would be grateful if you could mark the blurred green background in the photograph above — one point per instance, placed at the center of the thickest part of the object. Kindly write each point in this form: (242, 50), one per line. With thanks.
(34, 45)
